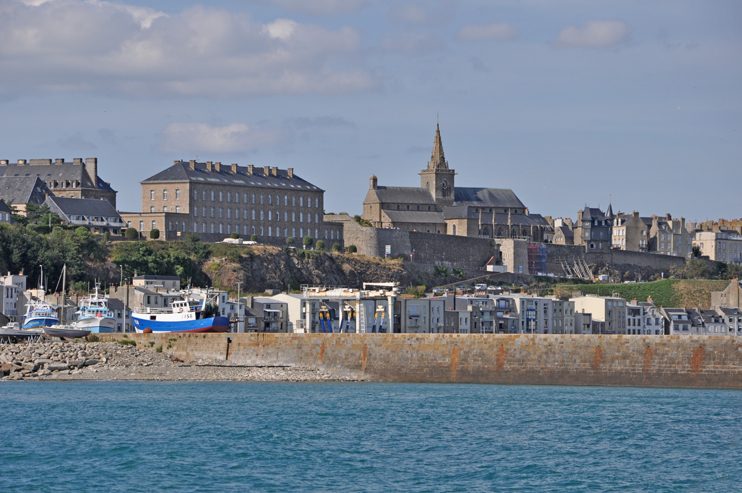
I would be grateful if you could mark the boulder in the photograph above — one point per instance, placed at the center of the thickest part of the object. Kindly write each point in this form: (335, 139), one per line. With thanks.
(91, 362)
(58, 367)
(5, 369)
(32, 367)
(77, 363)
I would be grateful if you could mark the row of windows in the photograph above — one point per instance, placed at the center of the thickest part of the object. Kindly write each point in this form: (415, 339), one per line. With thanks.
(245, 196)
(254, 215)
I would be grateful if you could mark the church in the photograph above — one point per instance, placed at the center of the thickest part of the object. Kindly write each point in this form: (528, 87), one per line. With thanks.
(438, 206)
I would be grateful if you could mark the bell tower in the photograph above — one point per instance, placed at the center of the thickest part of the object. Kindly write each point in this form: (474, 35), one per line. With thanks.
(437, 177)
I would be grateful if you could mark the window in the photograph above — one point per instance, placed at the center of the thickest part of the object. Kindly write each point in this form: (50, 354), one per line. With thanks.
(195, 195)
(301, 201)
(229, 213)
(270, 202)
(293, 232)
(270, 214)
(236, 213)
(195, 212)
(293, 201)
(151, 195)
(164, 194)
(309, 217)
(253, 198)
(221, 228)
(316, 202)
(244, 229)
(262, 196)
(244, 199)
(301, 232)
(203, 195)
(229, 196)
(244, 214)
(286, 200)
(293, 217)
(212, 212)
(170, 225)
(221, 212)
(270, 231)
(229, 228)
(177, 209)
(316, 218)
(261, 215)
(221, 196)
(141, 225)
(212, 195)
(212, 227)
(195, 227)
(286, 216)
(301, 217)
(154, 225)
(164, 208)
(177, 194)
(203, 211)
(253, 214)
(152, 208)
(203, 227)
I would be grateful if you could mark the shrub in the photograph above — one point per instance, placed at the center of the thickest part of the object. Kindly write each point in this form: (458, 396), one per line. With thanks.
(290, 240)
(106, 236)
(254, 238)
(440, 271)
(154, 234)
(131, 234)
(320, 245)
(352, 249)
(307, 241)
(336, 247)
(234, 235)
(127, 342)
(458, 272)
(158, 349)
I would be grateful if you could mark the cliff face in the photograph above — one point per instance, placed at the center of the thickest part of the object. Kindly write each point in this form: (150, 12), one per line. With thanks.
(276, 268)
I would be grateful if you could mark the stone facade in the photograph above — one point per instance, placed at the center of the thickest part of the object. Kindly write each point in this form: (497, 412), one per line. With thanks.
(438, 206)
(669, 236)
(215, 201)
(731, 296)
(77, 179)
(594, 228)
(724, 246)
(631, 232)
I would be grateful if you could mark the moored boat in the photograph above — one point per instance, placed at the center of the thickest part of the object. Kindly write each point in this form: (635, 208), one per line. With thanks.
(182, 316)
(94, 314)
(66, 332)
(39, 314)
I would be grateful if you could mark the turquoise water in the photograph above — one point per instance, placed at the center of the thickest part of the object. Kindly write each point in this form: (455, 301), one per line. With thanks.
(141, 436)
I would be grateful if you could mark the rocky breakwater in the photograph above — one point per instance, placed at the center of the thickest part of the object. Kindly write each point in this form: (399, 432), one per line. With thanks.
(67, 360)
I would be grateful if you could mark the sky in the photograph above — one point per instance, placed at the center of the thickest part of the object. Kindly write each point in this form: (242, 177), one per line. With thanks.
(567, 102)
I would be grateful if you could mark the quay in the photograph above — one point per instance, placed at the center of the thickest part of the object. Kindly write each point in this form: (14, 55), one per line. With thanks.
(713, 362)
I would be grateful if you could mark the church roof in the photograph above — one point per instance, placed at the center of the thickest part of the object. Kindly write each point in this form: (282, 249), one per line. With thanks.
(437, 158)
(426, 217)
(404, 195)
(181, 172)
(487, 197)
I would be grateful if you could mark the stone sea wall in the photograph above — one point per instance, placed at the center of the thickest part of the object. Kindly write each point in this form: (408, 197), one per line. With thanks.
(610, 360)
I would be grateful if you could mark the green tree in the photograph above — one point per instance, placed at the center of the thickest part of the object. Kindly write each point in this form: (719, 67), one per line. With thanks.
(307, 241)
(458, 272)
(131, 234)
(352, 249)
(440, 271)
(697, 269)
(154, 234)
(336, 247)
(696, 251)
(254, 238)
(320, 245)
(235, 235)
(290, 240)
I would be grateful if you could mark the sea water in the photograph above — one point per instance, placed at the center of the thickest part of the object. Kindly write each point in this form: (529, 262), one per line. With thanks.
(223, 437)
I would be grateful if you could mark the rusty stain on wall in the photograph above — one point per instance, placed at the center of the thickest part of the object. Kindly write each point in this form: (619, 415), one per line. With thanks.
(364, 358)
(696, 363)
(596, 359)
(647, 359)
(501, 358)
(454, 362)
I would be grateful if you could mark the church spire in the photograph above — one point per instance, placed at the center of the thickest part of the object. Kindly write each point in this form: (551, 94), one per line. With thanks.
(437, 158)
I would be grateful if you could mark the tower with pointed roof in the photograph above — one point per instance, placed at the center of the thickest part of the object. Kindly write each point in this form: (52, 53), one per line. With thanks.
(438, 178)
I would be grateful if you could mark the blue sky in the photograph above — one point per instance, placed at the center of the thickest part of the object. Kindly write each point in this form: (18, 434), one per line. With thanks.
(566, 102)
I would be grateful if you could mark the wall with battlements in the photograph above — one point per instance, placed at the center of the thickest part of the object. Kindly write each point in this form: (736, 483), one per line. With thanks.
(610, 360)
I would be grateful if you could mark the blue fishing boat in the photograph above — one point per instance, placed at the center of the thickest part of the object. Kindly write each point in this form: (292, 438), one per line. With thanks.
(94, 314)
(181, 316)
(39, 314)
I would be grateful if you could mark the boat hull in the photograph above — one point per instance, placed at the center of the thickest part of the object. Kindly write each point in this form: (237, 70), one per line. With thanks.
(40, 322)
(213, 324)
(66, 332)
(97, 325)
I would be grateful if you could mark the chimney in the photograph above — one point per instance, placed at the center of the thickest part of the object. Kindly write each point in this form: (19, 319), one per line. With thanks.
(250, 169)
(21, 162)
(290, 172)
(274, 171)
(218, 166)
(192, 164)
(3, 162)
(59, 160)
(234, 168)
(209, 166)
(668, 217)
(91, 166)
(77, 160)
(636, 214)
(266, 170)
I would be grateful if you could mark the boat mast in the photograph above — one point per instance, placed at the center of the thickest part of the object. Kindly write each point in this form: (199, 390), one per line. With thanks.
(64, 293)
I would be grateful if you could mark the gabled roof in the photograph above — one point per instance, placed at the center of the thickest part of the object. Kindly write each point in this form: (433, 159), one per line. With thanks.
(182, 172)
(425, 217)
(81, 207)
(55, 171)
(566, 231)
(403, 195)
(487, 197)
(593, 213)
(23, 189)
(4, 207)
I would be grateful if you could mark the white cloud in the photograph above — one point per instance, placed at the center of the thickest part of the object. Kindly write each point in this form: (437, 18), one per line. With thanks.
(479, 32)
(595, 34)
(201, 137)
(97, 46)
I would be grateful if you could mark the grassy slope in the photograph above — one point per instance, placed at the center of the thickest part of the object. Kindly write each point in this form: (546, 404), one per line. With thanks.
(668, 292)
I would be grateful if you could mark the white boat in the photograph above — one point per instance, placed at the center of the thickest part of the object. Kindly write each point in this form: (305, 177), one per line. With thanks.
(94, 314)
(13, 332)
(66, 332)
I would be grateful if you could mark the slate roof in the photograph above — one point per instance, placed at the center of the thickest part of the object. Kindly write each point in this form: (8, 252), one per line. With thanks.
(426, 217)
(729, 310)
(566, 231)
(181, 171)
(23, 189)
(81, 207)
(592, 213)
(47, 172)
(115, 304)
(501, 218)
(711, 317)
(404, 195)
(486, 197)
(4, 207)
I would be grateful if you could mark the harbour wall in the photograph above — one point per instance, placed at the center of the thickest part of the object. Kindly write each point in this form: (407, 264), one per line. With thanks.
(607, 360)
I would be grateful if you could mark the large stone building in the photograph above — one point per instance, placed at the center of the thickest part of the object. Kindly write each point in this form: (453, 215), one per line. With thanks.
(724, 246)
(631, 232)
(594, 229)
(215, 200)
(77, 179)
(438, 206)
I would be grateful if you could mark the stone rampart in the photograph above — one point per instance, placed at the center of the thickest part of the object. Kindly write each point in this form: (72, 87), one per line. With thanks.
(609, 360)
